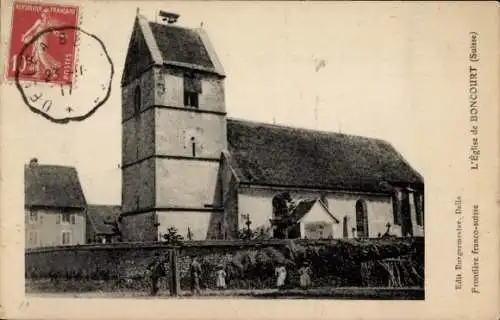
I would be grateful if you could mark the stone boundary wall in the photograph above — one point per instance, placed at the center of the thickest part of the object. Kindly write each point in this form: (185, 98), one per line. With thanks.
(249, 264)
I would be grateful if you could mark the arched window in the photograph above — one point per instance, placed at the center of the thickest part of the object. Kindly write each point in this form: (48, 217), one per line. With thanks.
(419, 207)
(396, 207)
(137, 100)
(361, 218)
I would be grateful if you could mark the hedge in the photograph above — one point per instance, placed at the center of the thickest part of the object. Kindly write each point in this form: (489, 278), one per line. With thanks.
(249, 264)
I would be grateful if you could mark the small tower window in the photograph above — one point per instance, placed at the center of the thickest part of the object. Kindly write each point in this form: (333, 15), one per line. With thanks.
(193, 146)
(192, 90)
(137, 100)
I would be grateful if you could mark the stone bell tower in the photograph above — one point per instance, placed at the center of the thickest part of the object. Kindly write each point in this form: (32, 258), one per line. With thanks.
(173, 131)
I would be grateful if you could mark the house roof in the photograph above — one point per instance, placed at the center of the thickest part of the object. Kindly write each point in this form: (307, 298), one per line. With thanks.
(265, 154)
(302, 207)
(98, 215)
(52, 186)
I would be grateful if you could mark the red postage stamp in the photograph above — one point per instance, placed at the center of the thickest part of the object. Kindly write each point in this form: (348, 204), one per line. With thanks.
(43, 42)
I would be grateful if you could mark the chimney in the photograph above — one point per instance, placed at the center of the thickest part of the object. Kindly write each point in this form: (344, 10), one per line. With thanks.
(33, 162)
(168, 17)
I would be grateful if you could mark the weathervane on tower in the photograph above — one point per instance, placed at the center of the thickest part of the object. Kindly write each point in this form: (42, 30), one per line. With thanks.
(168, 17)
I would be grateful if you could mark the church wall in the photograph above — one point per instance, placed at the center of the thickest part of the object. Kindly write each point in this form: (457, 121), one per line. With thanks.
(138, 137)
(146, 82)
(229, 184)
(138, 131)
(139, 227)
(216, 229)
(175, 128)
(380, 213)
(231, 206)
(216, 226)
(197, 222)
(212, 97)
(129, 142)
(146, 134)
(186, 183)
(258, 203)
(138, 186)
(170, 90)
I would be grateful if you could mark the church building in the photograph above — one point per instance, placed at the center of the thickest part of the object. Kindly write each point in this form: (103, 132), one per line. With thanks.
(185, 164)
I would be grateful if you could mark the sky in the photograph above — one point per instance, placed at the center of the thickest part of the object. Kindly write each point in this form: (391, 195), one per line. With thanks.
(270, 52)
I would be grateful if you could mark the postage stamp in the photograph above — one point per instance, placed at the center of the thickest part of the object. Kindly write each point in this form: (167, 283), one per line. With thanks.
(61, 71)
(41, 45)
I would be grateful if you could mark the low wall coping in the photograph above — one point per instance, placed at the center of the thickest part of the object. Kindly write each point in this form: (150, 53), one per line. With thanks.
(216, 243)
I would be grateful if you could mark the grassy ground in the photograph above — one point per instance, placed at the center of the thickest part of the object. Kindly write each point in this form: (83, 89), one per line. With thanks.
(353, 293)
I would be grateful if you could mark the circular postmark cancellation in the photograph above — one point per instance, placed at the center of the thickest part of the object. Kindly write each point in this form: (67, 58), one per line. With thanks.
(63, 90)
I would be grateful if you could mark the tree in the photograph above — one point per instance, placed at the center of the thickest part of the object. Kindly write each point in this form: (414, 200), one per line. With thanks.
(172, 236)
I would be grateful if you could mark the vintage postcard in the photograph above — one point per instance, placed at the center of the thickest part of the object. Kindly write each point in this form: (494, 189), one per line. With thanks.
(249, 160)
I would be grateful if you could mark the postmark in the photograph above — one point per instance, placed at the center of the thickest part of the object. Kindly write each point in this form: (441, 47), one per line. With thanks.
(76, 89)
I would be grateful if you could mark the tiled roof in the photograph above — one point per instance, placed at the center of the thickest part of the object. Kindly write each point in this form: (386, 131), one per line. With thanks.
(160, 44)
(301, 208)
(285, 156)
(183, 45)
(52, 186)
(98, 215)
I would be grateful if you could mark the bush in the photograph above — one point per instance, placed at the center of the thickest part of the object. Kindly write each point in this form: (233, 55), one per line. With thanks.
(172, 236)
(260, 233)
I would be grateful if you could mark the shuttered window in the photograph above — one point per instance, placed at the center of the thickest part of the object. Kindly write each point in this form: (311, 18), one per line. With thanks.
(66, 238)
(66, 218)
